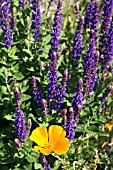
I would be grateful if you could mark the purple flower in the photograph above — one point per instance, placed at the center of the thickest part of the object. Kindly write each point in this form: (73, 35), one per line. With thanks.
(62, 89)
(90, 65)
(1, 17)
(64, 116)
(77, 45)
(8, 40)
(22, 3)
(56, 30)
(38, 95)
(44, 162)
(107, 50)
(19, 118)
(36, 20)
(105, 95)
(45, 107)
(52, 87)
(70, 125)
(20, 124)
(92, 15)
(78, 100)
(106, 18)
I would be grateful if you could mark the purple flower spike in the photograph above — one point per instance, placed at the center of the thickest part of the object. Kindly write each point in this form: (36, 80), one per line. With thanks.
(44, 162)
(62, 89)
(90, 65)
(78, 100)
(108, 48)
(1, 17)
(77, 45)
(38, 95)
(64, 116)
(45, 107)
(106, 18)
(52, 87)
(56, 30)
(70, 127)
(92, 15)
(36, 20)
(105, 95)
(20, 124)
(8, 40)
(19, 118)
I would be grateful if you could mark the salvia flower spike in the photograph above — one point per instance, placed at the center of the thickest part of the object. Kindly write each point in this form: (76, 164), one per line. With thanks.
(77, 44)
(70, 125)
(36, 20)
(38, 95)
(19, 118)
(8, 40)
(52, 87)
(44, 162)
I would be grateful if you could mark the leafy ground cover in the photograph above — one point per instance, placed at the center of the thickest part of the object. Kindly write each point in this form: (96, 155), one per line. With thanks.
(56, 69)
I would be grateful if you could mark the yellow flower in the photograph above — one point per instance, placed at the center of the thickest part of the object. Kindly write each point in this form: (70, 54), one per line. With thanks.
(109, 125)
(52, 141)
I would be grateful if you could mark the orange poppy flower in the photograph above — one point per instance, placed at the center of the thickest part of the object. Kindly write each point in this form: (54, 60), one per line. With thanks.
(52, 141)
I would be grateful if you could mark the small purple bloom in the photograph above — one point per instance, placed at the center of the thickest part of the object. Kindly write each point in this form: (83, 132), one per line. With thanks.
(105, 95)
(22, 3)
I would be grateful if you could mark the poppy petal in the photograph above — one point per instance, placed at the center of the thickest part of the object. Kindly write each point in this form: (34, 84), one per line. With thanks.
(42, 150)
(39, 136)
(56, 133)
(62, 146)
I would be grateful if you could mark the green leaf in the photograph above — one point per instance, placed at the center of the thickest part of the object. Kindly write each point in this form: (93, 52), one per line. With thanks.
(25, 97)
(28, 52)
(8, 117)
(80, 128)
(47, 48)
(47, 39)
(2, 78)
(18, 76)
(38, 166)
(102, 119)
(32, 157)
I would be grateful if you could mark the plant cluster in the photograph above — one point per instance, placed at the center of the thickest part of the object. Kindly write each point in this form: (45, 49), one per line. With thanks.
(56, 84)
